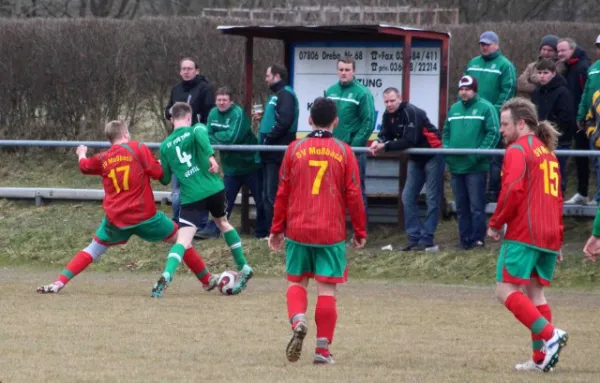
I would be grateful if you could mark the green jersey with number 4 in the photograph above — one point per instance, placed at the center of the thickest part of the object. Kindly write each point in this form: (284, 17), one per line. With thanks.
(185, 154)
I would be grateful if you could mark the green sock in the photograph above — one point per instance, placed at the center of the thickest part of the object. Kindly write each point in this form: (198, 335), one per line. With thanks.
(235, 244)
(173, 260)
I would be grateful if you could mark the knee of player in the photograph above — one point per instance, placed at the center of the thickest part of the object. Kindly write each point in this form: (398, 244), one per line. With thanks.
(326, 288)
(96, 250)
(503, 290)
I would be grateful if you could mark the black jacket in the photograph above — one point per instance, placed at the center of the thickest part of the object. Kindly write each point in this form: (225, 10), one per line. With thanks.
(409, 127)
(284, 129)
(576, 75)
(196, 92)
(554, 103)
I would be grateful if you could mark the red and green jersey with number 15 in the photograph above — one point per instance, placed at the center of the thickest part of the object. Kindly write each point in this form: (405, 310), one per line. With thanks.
(530, 201)
(185, 154)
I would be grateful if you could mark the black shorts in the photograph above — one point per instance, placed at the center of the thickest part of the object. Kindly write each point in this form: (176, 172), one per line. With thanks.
(191, 213)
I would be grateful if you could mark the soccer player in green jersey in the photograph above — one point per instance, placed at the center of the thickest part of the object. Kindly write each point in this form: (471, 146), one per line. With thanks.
(188, 155)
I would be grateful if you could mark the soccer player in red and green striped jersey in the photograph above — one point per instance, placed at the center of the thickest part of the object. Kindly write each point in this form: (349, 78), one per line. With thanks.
(531, 205)
(126, 169)
(319, 181)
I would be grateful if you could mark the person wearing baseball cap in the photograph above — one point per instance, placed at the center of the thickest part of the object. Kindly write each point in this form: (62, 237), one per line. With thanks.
(497, 83)
(528, 80)
(472, 123)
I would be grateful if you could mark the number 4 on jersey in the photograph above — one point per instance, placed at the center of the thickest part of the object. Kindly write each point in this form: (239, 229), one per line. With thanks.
(184, 158)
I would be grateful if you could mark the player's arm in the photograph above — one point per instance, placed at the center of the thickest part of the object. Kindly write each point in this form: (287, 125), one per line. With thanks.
(167, 174)
(513, 187)
(353, 196)
(366, 116)
(92, 165)
(201, 138)
(150, 164)
(282, 196)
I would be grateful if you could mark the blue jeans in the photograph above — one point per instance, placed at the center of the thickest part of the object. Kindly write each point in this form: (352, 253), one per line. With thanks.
(270, 178)
(233, 184)
(470, 199)
(495, 170)
(562, 164)
(362, 170)
(431, 175)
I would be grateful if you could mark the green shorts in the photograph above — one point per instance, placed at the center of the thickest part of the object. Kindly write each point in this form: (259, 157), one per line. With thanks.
(518, 263)
(323, 263)
(155, 229)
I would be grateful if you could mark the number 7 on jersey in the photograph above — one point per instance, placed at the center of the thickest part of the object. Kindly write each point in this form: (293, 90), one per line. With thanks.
(322, 167)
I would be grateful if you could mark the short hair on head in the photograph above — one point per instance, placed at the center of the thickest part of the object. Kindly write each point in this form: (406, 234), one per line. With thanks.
(347, 60)
(188, 59)
(546, 64)
(323, 112)
(280, 70)
(179, 110)
(224, 91)
(391, 89)
(115, 130)
(570, 41)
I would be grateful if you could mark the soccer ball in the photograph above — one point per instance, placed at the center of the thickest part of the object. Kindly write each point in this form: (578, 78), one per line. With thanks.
(226, 282)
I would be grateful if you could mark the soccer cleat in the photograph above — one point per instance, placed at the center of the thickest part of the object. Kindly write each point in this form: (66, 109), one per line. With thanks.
(294, 347)
(322, 359)
(212, 283)
(552, 349)
(159, 287)
(244, 276)
(530, 365)
(52, 288)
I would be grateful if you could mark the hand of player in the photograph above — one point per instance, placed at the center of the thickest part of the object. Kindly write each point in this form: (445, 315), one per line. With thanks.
(493, 234)
(560, 256)
(375, 147)
(592, 248)
(214, 165)
(358, 243)
(276, 242)
(81, 151)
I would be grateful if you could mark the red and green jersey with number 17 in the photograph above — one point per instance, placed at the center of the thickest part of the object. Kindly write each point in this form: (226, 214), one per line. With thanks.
(531, 200)
(185, 154)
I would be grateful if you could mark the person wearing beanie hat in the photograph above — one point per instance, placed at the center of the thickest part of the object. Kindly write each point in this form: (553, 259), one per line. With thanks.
(528, 80)
(497, 83)
(472, 123)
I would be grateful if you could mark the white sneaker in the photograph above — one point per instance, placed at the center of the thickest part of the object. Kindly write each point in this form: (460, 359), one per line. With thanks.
(530, 365)
(552, 349)
(52, 288)
(593, 203)
(577, 199)
(432, 249)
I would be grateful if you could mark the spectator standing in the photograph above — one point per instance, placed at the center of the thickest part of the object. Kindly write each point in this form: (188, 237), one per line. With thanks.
(472, 123)
(528, 80)
(577, 63)
(195, 90)
(405, 126)
(497, 83)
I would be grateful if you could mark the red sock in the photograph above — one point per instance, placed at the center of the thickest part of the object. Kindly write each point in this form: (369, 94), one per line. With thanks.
(297, 301)
(325, 318)
(79, 262)
(526, 312)
(194, 261)
(536, 340)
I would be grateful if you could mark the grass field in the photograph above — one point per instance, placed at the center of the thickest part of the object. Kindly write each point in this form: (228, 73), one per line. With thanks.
(104, 327)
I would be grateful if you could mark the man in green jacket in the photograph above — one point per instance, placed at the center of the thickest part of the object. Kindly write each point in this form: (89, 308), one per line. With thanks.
(472, 123)
(228, 125)
(356, 113)
(497, 83)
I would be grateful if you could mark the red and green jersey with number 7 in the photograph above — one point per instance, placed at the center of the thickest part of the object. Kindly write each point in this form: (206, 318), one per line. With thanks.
(531, 200)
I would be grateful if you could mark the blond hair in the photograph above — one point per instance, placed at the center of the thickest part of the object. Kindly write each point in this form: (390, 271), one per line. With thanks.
(115, 129)
(523, 109)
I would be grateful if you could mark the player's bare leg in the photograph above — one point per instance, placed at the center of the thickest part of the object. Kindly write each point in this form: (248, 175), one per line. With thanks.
(325, 318)
(185, 235)
(78, 263)
(235, 244)
(196, 264)
(525, 310)
(297, 302)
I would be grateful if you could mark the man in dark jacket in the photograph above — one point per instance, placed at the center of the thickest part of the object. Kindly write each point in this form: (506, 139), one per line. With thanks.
(195, 90)
(555, 104)
(278, 126)
(405, 126)
(577, 63)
